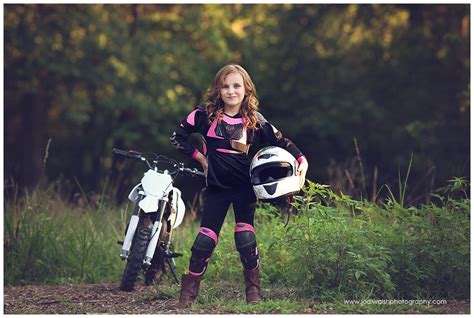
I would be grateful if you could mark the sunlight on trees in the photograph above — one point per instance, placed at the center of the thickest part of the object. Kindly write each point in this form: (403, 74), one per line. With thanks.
(396, 77)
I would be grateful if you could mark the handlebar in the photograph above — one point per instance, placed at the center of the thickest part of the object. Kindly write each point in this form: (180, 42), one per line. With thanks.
(193, 171)
(132, 154)
(178, 166)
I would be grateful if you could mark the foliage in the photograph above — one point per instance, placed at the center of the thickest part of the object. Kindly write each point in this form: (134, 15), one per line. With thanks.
(94, 76)
(384, 251)
(339, 248)
(335, 248)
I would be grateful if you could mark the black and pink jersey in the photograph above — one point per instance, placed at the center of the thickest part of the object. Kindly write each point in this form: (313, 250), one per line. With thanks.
(226, 144)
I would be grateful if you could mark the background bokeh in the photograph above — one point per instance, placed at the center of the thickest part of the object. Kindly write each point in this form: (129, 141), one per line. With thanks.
(382, 81)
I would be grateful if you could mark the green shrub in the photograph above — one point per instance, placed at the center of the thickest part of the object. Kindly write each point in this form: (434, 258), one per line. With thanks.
(339, 247)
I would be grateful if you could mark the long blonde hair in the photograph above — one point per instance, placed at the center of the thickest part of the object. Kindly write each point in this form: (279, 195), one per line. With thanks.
(249, 106)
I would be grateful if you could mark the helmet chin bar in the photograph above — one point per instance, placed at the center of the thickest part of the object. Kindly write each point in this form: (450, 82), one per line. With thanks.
(270, 189)
(275, 190)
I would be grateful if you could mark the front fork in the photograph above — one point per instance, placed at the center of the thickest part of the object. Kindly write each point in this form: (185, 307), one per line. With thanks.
(155, 233)
(132, 227)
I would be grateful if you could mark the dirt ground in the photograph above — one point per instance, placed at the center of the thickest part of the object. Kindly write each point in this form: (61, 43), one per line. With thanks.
(86, 299)
(107, 298)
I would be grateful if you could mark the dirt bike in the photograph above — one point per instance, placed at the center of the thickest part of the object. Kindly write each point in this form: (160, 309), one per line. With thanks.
(159, 209)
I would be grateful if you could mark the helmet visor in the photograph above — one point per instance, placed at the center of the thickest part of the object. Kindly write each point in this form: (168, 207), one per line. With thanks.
(271, 172)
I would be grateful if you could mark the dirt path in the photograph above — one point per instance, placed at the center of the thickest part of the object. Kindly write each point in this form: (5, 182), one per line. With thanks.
(107, 298)
(86, 299)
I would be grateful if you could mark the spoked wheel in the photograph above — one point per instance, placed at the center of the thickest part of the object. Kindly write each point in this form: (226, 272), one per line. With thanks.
(135, 258)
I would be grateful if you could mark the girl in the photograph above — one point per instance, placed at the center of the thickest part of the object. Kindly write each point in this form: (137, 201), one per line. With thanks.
(229, 123)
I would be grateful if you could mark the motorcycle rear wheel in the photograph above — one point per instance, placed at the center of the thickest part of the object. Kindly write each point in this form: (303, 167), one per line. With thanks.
(135, 258)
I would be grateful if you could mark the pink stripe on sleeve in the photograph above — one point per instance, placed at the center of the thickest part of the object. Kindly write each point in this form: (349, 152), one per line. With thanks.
(191, 117)
(301, 159)
(195, 153)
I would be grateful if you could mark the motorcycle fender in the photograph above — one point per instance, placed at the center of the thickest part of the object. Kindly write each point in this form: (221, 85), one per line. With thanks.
(133, 196)
(156, 184)
(149, 204)
(177, 209)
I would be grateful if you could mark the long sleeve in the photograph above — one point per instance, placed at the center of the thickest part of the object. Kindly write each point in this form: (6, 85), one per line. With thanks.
(269, 134)
(192, 124)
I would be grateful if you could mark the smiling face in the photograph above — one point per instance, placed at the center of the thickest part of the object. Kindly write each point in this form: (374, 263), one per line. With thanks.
(232, 91)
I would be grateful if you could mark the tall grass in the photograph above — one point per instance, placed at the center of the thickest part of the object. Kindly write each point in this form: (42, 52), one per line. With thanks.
(335, 247)
(48, 241)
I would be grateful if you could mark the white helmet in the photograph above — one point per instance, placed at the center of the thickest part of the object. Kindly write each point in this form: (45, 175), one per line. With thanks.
(273, 174)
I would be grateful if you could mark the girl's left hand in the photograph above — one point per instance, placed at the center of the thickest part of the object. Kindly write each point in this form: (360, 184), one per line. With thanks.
(301, 171)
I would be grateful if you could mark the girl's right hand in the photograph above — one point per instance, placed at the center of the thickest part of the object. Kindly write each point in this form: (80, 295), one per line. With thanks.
(204, 166)
(203, 161)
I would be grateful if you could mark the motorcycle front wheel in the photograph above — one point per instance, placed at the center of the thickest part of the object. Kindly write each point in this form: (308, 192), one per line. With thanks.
(135, 258)
(157, 269)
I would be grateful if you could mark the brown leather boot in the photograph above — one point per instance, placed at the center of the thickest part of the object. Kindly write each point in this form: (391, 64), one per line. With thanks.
(189, 290)
(252, 285)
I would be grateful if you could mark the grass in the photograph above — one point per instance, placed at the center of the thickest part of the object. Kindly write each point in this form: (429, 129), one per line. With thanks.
(225, 297)
(335, 248)
(47, 241)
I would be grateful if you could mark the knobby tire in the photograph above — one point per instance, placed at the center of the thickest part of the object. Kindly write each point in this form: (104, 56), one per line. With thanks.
(135, 259)
(154, 274)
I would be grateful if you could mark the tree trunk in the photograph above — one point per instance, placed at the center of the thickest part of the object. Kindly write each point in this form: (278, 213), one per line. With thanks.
(33, 139)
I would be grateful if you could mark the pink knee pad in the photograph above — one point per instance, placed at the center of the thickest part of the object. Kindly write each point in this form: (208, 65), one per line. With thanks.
(202, 249)
(246, 243)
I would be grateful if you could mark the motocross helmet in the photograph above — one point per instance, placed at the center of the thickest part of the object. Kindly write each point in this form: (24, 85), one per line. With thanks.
(273, 174)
